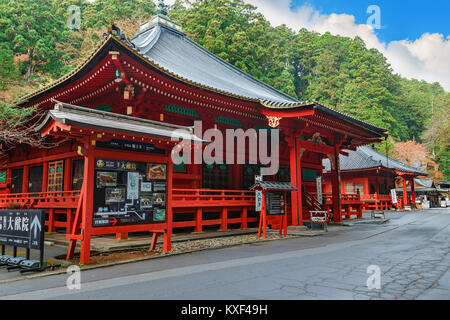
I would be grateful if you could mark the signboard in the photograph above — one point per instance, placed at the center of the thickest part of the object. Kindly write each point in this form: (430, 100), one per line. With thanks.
(22, 228)
(129, 192)
(319, 189)
(259, 200)
(275, 203)
(394, 196)
(130, 146)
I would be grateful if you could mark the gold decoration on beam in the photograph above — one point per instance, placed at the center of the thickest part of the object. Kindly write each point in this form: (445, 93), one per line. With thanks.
(274, 122)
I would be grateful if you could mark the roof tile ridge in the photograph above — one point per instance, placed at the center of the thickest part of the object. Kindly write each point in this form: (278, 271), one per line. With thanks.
(237, 70)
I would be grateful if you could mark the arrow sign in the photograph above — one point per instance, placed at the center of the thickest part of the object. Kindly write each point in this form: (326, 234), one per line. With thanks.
(35, 225)
(114, 221)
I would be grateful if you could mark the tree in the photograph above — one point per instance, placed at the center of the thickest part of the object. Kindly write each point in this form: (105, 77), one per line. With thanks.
(415, 155)
(17, 127)
(34, 30)
(8, 71)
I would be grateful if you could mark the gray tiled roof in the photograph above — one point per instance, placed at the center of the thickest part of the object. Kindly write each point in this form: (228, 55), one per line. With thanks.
(95, 119)
(366, 158)
(270, 185)
(174, 51)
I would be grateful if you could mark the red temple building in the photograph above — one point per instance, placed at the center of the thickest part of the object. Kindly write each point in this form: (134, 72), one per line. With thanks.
(372, 175)
(113, 116)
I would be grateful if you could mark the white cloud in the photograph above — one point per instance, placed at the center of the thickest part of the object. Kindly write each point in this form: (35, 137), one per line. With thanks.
(427, 58)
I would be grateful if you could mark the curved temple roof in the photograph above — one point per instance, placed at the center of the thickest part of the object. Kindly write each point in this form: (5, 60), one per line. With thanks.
(164, 47)
(368, 158)
(174, 51)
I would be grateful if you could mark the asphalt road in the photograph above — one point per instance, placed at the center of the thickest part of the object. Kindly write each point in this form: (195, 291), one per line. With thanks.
(412, 253)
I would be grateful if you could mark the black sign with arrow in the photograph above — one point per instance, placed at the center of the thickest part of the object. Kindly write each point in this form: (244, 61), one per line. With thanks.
(22, 228)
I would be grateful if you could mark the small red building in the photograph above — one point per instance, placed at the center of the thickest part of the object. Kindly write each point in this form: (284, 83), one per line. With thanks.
(373, 175)
(103, 177)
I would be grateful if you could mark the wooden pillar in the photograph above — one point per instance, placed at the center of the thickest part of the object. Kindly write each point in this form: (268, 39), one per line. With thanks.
(335, 177)
(224, 219)
(68, 174)
(88, 205)
(405, 193)
(8, 179)
(293, 171)
(413, 193)
(68, 221)
(45, 177)
(198, 220)
(51, 220)
(169, 210)
(25, 179)
(299, 153)
(263, 217)
(244, 218)
(366, 186)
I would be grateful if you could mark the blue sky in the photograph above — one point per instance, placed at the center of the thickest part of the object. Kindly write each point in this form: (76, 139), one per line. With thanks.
(399, 19)
(414, 35)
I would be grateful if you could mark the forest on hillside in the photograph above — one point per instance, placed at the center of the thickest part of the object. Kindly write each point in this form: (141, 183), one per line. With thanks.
(37, 47)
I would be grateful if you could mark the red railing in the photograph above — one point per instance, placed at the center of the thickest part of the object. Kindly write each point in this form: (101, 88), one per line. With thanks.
(59, 205)
(351, 205)
(196, 201)
(41, 200)
(345, 198)
(212, 198)
(204, 202)
(377, 201)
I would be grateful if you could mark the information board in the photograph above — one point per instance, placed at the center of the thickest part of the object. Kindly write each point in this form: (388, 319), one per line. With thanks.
(130, 146)
(258, 200)
(275, 203)
(22, 228)
(128, 192)
(394, 196)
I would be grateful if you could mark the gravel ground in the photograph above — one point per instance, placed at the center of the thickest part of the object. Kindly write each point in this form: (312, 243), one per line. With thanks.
(179, 247)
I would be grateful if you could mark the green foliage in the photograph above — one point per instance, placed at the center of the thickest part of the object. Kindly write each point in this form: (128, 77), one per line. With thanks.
(100, 13)
(8, 70)
(13, 117)
(31, 29)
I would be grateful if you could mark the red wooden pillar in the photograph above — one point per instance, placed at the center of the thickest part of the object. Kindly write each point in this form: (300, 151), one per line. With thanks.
(224, 219)
(68, 221)
(405, 193)
(51, 220)
(45, 177)
(244, 218)
(413, 193)
(68, 174)
(366, 186)
(198, 220)
(25, 180)
(169, 210)
(335, 178)
(293, 170)
(299, 153)
(8, 179)
(88, 205)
